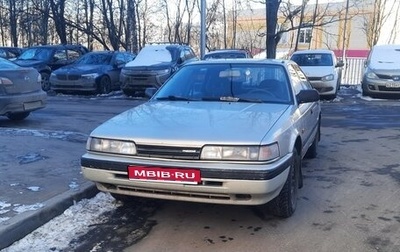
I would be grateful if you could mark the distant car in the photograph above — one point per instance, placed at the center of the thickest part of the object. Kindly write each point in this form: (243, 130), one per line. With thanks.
(47, 58)
(153, 65)
(381, 75)
(96, 72)
(10, 53)
(20, 91)
(322, 69)
(227, 54)
(218, 131)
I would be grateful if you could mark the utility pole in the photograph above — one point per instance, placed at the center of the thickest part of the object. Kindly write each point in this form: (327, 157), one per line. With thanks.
(344, 31)
(202, 28)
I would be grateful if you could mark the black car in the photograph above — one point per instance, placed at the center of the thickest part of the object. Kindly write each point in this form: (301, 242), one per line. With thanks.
(153, 65)
(228, 54)
(10, 53)
(48, 58)
(96, 72)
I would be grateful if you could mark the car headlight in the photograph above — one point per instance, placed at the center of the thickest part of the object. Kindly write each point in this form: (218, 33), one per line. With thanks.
(90, 76)
(371, 75)
(39, 78)
(111, 146)
(241, 153)
(328, 77)
(5, 81)
(164, 71)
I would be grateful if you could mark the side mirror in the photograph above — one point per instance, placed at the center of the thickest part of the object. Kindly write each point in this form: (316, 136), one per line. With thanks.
(340, 63)
(309, 95)
(149, 92)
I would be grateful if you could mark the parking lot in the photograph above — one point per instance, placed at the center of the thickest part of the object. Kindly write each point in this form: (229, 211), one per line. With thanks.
(349, 201)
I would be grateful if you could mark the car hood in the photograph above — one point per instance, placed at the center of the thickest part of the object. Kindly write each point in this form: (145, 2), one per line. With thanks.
(193, 123)
(148, 64)
(80, 69)
(28, 63)
(317, 71)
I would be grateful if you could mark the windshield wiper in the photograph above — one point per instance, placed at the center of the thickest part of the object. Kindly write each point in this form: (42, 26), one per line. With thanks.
(238, 99)
(173, 98)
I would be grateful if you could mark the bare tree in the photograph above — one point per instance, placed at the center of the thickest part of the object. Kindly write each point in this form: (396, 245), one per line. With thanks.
(374, 22)
(58, 10)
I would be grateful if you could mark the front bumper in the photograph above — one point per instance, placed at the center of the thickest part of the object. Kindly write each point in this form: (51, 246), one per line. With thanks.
(22, 102)
(73, 85)
(325, 87)
(380, 86)
(221, 183)
(141, 81)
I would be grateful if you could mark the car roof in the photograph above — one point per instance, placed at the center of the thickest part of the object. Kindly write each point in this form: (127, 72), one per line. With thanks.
(241, 61)
(227, 51)
(314, 51)
(391, 46)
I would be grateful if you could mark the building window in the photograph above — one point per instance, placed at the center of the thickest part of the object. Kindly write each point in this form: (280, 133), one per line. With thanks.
(305, 35)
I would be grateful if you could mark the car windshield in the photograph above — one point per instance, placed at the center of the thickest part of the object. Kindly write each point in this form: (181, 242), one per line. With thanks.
(5, 64)
(36, 54)
(313, 59)
(241, 82)
(225, 55)
(94, 59)
(150, 55)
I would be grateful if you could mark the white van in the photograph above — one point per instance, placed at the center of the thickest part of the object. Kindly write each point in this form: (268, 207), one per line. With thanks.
(322, 69)
(381, 74)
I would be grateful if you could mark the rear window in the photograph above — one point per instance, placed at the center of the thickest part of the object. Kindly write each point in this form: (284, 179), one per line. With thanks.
(313, 59)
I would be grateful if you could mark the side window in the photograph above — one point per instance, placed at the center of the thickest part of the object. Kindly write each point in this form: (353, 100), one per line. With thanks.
(73, 55)
(182, 55)
(3, 53)
(120, 59)
(188, 54)
(129, 57)
(303, 79)
(60, 55)
(296, 79)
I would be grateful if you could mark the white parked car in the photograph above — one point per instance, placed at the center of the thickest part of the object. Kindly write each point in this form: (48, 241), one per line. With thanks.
(322, 69)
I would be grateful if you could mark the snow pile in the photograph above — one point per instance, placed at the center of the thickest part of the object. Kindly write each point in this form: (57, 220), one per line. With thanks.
(56, 234)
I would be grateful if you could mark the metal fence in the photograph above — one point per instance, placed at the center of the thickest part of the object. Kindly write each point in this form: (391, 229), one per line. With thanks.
(352, 71)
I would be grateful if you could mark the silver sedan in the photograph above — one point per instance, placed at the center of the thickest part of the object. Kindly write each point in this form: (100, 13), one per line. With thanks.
(226, 132)
(20, 90)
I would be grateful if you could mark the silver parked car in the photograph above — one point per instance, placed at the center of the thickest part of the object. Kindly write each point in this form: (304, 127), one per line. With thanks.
(20, 90)
(381, 76)
(220, 131)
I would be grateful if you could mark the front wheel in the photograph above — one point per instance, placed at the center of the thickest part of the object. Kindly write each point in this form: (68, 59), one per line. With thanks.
(285, 203)
(104, 86)
(45, 81)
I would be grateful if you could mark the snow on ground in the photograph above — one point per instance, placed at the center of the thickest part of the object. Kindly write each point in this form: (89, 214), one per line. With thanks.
(56, 234)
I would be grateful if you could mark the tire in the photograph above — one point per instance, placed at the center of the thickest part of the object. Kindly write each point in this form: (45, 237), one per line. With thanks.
(285, 203)
(45, 81)
(104, 85)
(313, 150)
(18, 116)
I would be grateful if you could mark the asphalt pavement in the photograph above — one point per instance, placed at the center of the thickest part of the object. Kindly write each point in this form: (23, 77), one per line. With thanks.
(40, 178)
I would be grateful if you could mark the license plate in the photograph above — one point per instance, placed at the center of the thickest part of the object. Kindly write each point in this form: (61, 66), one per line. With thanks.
(393, 85)
(32, 105)
(159, 174)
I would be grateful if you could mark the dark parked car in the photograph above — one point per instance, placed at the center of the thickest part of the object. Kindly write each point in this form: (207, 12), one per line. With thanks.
(95, 72)
(47, 58)
(219, 131)
(10, 52)
(153, 65)
(20, 90)
(228, 54)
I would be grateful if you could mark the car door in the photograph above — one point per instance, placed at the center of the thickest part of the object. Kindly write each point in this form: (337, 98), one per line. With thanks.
(117, 63)
(308, 112)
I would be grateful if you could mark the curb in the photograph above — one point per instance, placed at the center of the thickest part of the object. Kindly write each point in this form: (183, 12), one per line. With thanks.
(23, 224)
